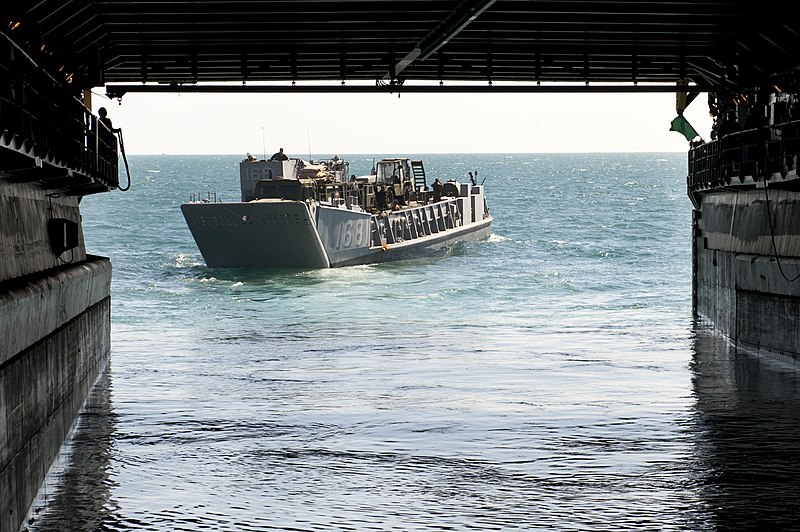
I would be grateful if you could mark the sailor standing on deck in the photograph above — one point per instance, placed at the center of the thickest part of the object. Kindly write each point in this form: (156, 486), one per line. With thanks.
(380, 198)
(106, 121)
(279, 156)
(437, 190)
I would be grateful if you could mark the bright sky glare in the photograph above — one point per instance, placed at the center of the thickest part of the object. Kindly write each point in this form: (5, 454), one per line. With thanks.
(321, 125)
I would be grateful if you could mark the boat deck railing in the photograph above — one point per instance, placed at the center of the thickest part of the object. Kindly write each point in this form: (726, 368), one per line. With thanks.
(744, 157)
(207, 197)
(416, 222)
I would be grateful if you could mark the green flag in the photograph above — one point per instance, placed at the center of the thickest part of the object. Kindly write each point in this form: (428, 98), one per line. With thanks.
(681, 125)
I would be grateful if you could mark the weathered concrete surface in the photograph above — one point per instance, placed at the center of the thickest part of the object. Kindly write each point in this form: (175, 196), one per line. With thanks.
(737, 221)
(55, 331)
(34, 308)
(24, 243)
(750, 292)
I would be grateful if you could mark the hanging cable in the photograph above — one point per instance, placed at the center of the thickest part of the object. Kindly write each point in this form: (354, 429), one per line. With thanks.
(772, 236)
(125, 159)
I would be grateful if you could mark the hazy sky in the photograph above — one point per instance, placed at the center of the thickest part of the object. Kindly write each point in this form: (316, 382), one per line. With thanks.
(326, 124)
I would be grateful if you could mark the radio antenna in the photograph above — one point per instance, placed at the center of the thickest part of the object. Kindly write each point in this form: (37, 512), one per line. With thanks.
(308, 134)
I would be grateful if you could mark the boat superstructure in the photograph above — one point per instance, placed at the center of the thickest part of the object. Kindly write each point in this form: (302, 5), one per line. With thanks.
(297, 214)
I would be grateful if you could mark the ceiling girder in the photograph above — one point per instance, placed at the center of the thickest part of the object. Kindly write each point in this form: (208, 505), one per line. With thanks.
(724, 44)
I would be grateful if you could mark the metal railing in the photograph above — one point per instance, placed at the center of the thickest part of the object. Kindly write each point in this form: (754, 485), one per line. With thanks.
(42, 118)
(745, 157)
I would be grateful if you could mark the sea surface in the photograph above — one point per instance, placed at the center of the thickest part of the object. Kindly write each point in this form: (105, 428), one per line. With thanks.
(551, 377)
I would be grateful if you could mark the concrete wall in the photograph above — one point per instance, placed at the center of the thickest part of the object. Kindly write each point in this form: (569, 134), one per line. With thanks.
(43, 386)
(749, 292)
(24, 243)
(737, 221)
(55, 339)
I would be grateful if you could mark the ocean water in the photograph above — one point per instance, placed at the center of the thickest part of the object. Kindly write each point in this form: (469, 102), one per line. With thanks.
(549, 378)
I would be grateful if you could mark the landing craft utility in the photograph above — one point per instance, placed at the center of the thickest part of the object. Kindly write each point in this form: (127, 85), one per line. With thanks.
(298, 214)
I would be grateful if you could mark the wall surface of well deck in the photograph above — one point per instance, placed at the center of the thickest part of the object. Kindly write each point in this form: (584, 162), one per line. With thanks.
(55, 321)
(44, 385)
(747, 269)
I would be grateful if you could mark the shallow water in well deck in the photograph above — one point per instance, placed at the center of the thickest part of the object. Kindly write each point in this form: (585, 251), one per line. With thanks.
(550, 378)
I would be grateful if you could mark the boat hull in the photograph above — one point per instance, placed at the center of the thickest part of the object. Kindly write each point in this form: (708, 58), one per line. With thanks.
(431, 246)
(294, 234)
(256, 234)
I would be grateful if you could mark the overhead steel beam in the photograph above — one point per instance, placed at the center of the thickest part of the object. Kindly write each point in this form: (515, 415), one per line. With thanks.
(461, 17)
(118, 91)
(714, 42)
(454, 22)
